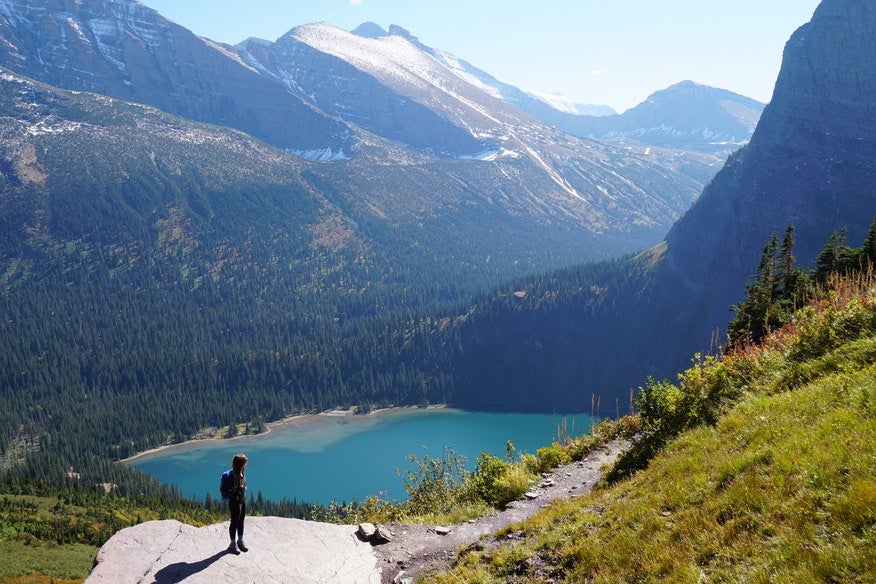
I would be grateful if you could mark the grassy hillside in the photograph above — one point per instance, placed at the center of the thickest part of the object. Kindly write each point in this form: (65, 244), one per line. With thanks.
(781, 487)
(54, 538)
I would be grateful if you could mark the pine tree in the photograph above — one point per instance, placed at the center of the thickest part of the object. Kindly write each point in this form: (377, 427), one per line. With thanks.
(827, 262)
(869, 247)
(786, 260)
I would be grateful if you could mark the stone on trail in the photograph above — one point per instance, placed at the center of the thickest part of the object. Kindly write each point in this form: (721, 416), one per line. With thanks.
(367, 531)
(383, 535)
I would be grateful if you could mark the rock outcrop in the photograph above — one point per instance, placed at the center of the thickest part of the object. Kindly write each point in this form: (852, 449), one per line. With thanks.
(290, 551)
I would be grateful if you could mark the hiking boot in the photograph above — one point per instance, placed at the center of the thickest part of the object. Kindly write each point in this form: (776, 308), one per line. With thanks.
(240, 545)
(232, 548)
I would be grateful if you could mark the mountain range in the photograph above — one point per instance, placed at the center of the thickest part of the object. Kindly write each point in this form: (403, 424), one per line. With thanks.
(295, 221)
(312, 93)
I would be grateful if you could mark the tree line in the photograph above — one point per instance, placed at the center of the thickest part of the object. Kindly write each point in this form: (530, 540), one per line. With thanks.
(779, 286)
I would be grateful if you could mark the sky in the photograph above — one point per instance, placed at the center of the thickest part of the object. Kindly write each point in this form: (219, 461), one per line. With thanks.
(605, 52)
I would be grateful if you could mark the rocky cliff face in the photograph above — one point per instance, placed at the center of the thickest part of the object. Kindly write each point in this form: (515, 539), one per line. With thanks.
(827, 84)
(811, 162)
(123, 49)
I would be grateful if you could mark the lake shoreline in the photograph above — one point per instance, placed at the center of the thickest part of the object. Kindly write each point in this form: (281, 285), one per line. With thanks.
(290, 420)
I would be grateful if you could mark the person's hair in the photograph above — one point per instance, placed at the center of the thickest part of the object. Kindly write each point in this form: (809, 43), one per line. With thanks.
(238, 462)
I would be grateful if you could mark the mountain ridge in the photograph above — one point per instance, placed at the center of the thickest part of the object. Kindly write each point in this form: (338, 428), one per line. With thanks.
(125, 50)
(684, 115)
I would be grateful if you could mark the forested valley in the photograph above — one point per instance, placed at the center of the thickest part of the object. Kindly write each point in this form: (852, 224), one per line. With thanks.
(159, 278)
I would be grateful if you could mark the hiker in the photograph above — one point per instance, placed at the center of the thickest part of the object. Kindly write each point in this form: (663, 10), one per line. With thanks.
(233, 488)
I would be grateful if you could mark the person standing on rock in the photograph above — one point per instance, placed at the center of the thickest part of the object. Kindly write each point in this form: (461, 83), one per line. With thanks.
(233, 488)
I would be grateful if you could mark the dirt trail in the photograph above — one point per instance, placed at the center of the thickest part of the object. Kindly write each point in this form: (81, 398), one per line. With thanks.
(416, 549)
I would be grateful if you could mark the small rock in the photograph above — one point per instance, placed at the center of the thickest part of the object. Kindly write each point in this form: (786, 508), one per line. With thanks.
(441, 530)
(367, 531)
(382, 535)
(531, 495)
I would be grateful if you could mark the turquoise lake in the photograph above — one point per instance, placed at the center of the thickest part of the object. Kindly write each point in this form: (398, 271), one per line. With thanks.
(328, 458)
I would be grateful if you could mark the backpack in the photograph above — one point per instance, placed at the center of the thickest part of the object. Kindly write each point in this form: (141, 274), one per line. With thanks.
(226, 484)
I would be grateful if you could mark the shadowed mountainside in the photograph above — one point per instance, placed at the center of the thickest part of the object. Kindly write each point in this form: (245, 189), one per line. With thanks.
(600, 330)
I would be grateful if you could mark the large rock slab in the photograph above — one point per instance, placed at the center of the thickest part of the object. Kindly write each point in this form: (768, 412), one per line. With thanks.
(287, 551)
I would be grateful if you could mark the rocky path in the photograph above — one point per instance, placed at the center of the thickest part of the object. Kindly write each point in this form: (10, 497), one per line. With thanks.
(416, 549)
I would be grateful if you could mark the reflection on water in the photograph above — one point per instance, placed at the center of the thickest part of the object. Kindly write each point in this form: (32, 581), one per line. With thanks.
(344, 458)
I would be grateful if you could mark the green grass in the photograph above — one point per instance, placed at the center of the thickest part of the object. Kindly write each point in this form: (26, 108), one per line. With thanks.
(782, 488)
(20, 562)
(54, 539)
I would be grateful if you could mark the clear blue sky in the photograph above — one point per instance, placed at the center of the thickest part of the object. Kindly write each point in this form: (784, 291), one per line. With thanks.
(612, 52)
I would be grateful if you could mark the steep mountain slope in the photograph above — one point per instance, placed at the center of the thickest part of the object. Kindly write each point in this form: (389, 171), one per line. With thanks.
(393, 86)
(125, 50)
(312, 90)
(686, 115)
(810, 161)
(601, 330)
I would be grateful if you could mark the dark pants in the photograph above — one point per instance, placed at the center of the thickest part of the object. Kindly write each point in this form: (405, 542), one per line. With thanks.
(238, 514)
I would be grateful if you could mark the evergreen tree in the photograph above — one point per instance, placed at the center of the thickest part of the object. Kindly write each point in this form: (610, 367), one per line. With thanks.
(827, 262)
(786, 259)
(868, 250)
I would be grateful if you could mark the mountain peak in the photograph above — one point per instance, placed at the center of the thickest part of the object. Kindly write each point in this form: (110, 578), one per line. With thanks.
(396, 30)
(370, 30)
(684, 115)
(250, 42)
(827, 83)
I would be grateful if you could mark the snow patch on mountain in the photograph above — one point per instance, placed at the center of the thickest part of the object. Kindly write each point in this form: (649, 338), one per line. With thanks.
(321, 155)
(491, 155)
(568, 105)
(102, 31)
(387, 56)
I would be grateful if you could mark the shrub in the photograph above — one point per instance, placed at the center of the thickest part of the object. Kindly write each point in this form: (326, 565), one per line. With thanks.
(529, 463)
(497, 482)
(550, 457)
(434, 485)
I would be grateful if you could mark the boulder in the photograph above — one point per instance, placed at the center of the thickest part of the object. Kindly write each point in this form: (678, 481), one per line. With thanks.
(383, 535)
(367, 531)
